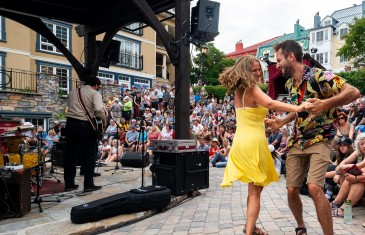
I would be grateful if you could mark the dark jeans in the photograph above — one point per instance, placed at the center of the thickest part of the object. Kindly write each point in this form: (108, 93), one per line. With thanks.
(81, 142)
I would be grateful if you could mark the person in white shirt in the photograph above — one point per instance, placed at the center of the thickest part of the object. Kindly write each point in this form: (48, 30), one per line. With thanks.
(197, 127)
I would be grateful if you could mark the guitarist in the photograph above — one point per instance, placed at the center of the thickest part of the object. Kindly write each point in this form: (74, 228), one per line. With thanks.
(82, 133)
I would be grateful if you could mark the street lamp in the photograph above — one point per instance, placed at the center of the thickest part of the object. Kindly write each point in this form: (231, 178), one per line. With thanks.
(203, 50)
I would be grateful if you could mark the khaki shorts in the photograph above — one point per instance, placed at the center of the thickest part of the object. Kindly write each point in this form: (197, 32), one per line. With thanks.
(313, 159)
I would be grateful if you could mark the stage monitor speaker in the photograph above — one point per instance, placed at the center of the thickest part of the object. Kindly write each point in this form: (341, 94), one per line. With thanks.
(204, 21)
(111, 55)
(183, 172)
(133, 159)
(15, 194)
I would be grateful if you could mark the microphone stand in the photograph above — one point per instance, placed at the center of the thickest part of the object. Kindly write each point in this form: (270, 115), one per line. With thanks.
(118, 157)
(39, 168)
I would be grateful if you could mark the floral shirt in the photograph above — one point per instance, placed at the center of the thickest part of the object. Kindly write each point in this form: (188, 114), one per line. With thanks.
(319, 84)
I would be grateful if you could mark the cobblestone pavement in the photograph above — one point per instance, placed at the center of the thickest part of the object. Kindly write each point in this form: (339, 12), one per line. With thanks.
(222, 211)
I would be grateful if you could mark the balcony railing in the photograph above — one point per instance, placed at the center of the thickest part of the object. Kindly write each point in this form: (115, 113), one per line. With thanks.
(133, 61)
(18, 80)
(26, 81)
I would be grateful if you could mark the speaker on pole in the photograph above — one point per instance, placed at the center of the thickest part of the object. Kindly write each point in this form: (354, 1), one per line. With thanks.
(204, 22)
(133, 159)
(111, 55)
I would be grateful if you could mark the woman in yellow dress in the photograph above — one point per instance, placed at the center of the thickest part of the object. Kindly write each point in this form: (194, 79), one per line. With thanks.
(250, 160)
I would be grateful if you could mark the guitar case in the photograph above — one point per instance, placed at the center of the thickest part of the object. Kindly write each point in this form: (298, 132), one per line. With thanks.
(152, 197)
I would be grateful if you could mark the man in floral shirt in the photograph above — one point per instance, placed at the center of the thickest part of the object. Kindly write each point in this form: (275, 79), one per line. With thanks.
(310, 147)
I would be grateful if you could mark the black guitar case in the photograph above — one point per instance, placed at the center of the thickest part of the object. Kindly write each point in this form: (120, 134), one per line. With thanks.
(136, 200)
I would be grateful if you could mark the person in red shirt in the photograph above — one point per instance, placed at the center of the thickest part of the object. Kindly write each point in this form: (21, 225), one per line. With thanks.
(214, 148)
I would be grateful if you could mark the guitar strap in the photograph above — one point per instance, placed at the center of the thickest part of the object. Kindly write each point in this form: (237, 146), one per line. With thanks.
(91, 119)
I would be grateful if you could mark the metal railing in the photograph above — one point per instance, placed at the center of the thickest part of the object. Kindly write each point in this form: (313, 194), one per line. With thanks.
(26, 81)
(18, 80)
(133, 61)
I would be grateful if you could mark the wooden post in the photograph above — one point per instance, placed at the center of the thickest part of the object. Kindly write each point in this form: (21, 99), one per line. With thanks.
(182, 70)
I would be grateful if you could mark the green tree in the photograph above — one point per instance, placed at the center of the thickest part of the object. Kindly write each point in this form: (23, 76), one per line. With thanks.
(213, 62)
(355, 78)
(354, 47)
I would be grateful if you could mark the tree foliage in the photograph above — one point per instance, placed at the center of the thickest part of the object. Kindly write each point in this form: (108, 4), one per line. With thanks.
(355, 78)
(213, 63)
(354, 47)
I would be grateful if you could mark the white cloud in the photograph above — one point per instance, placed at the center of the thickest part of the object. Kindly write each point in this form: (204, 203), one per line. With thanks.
(259, 20)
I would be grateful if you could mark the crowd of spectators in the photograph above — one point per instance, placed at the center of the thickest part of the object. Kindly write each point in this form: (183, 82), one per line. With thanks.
(213, 123)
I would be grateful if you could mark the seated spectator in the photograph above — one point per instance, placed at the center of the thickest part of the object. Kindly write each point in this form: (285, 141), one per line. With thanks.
(222, 134)
(275, 137)
(121, 134)
(202, 146)
(344, 128)
(115, 152)
(352, 112)
(167, 133)
(131, 139)
(277, 162)
(353, 187)
(205, 133)
(230, 134)
(49, 141)
(221, 157)
(206, 120)
(214, 148)
(344, 149)
(158, 120)
(197, 127)
(124, 124)
(111, 131)
(194, 116)
(104, 150)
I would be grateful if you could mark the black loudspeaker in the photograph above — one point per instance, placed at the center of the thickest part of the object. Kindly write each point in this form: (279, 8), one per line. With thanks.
(15, 194)
(204, 21)
(111, 55)
(181, 172)
(133, 159)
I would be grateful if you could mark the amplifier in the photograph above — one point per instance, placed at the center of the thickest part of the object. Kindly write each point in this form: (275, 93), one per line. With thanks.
(174, 145)
(15, 194)
(182, 172)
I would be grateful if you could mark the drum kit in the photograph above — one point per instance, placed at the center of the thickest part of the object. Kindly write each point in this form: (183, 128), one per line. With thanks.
(15, 150)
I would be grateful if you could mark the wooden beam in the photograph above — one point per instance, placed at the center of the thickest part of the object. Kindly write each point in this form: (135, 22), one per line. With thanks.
(152, 21)
(37, 25)
(182, 70)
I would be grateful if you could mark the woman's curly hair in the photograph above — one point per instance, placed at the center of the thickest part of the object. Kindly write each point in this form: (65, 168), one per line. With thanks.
(240, 74)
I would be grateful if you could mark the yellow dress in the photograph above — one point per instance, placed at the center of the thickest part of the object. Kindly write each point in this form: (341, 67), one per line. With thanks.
(249, 158)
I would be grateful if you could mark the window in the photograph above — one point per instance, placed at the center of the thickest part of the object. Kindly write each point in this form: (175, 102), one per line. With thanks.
(2, 29)
(343, 59)
(326, 35)
(130, 54)
(105, 77)
(63, 33)
(343, 32)
(319, 36)
(63, 74)
(313, 37)
(327, 22)
(36, 122)
(141, 83)
(124, 80)
(2, 74)
(322, 58)
(132, 28)
(319, 58)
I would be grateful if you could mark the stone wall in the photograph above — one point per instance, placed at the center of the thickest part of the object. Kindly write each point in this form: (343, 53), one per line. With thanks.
(47, 98)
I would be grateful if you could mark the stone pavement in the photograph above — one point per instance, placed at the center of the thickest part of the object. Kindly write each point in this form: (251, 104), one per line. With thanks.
(222, 211)
(215, 211)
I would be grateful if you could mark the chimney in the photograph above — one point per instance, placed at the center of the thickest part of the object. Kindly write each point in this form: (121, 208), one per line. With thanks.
(239, 46)
(317, 21)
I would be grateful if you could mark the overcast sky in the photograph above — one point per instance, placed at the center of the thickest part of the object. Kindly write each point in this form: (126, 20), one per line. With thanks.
(253, 21)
